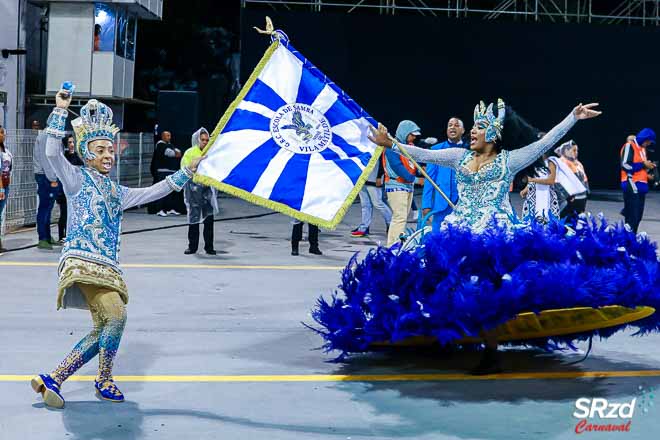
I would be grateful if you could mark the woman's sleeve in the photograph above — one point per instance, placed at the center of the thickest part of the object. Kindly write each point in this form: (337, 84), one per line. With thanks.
(449, 157)
(69, 175)
(523, 157)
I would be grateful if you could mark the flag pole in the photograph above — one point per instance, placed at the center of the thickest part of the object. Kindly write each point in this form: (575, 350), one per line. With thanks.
(426, 176)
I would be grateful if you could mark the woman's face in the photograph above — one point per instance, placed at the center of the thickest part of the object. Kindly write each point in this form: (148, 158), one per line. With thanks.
(71, 145)
(574, 151)
(203, 140)
(478, 137)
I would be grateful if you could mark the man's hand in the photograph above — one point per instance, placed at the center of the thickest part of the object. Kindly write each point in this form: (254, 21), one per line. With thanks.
(177, 153)
(379, 182)
(649, 165)
(63, 99)
(54, 184)
(380, 136)
(425, 211)
(195, 163)
(2, 195)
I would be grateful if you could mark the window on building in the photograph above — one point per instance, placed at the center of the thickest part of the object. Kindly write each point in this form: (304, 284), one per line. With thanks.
(122, 27)
(130, 38)
(104, 28)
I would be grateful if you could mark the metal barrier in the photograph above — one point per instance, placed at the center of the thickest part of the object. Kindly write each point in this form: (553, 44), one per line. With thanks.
(133, 162)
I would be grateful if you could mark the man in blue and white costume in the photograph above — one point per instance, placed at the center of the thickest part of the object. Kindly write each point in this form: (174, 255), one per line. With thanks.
(89, 273)
(445, 177)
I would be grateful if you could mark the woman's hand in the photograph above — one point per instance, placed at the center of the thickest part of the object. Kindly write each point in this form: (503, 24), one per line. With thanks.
(523, 193)
(195, 163)
(586, 111)
(380, 136)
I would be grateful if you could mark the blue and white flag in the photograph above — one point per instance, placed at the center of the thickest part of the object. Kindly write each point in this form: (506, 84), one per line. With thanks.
(292, 141)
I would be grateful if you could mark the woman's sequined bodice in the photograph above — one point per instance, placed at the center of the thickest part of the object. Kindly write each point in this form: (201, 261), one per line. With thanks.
(483, 195)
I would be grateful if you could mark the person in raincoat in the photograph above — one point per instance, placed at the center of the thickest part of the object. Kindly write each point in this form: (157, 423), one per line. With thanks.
(201, 200)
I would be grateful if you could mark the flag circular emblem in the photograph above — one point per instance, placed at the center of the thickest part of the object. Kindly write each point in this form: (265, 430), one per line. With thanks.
(301, 129)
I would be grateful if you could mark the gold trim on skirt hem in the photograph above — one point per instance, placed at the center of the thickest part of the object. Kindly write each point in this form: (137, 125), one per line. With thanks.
(76, 271)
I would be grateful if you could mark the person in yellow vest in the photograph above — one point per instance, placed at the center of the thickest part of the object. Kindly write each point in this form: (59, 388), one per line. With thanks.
(201, 200)
(634, 176)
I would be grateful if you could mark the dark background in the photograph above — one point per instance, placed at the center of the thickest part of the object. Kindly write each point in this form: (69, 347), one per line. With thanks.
(192, 50)
(428, 69)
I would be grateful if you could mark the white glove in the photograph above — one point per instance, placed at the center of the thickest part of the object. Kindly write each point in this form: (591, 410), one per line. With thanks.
(430, 141)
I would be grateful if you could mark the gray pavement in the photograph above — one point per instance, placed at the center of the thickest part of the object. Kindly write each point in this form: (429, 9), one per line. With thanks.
(191, 321)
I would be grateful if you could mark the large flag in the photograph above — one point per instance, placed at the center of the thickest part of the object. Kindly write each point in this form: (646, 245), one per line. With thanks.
(292, 141)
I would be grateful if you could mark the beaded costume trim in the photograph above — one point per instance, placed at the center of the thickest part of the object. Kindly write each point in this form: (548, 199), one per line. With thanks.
(56, 124)
(74, 270)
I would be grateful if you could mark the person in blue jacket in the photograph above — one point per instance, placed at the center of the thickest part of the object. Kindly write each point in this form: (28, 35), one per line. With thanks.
(445, 177)
(400, 175)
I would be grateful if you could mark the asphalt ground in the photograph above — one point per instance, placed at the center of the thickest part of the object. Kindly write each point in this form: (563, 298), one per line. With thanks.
(214, 348)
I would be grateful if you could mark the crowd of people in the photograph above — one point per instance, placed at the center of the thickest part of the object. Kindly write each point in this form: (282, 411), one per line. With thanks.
(555, 186)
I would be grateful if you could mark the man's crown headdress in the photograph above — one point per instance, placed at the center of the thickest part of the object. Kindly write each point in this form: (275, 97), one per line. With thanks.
(495, 124)
(95, 122)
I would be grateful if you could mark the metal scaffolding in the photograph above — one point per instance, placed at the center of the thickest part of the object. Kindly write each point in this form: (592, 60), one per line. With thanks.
(630, 12)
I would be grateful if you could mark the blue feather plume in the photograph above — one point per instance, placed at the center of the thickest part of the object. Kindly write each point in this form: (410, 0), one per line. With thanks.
(458, 283)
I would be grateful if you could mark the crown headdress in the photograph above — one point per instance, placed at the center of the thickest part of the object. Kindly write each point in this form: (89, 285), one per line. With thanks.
(95, 122)
(495, 123)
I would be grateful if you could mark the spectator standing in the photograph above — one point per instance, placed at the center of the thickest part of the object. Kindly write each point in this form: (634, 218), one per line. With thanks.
(635, 177)
(575, 204)
(201, 200)
(48, 189)
(371, 196)
(165, 162)
(445, 177)
(6, 160)
(400, 178)
(70, 154)
(297, 235)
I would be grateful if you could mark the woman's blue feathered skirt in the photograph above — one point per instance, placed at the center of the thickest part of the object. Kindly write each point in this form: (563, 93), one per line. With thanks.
(458, 283)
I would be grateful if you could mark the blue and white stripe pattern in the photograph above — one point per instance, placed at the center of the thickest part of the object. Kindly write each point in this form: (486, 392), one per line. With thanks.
(295, 139)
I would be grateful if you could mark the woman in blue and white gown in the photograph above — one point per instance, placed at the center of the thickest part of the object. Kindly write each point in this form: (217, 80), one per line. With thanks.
(484, 266)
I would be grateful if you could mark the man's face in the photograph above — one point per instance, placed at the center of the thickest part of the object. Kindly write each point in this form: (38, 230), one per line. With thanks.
(203, 140)
(36, 125)
(166, 137)
(104, 150)
(70, 144)
(455, 130)
(647, 143)
(2, 135)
